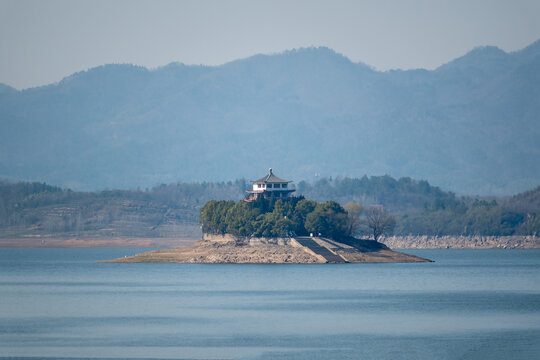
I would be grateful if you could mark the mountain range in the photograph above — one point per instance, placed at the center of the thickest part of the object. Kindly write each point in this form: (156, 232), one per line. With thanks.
(471, 126)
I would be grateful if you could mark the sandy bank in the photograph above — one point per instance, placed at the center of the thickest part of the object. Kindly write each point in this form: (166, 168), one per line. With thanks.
(230, 249)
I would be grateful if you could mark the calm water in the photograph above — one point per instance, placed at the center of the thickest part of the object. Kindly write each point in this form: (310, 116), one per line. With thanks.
(469, 304)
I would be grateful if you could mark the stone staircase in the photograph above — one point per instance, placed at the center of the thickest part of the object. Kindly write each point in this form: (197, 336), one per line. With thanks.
(323, 251)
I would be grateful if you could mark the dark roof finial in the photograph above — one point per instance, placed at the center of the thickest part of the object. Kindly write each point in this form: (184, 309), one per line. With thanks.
(270, 171)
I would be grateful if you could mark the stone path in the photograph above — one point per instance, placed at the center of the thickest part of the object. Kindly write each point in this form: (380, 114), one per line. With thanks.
(320, 250)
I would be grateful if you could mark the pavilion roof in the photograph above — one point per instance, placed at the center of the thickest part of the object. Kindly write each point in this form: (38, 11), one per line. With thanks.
(270, 178)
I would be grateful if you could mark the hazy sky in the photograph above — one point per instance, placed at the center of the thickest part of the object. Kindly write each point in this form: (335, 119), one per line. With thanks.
(43, 41)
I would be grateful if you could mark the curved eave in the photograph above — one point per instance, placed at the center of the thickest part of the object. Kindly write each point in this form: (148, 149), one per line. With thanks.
(269, 191)
(270, 182)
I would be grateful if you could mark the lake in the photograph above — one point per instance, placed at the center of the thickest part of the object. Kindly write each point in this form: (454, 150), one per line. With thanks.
(468, 304)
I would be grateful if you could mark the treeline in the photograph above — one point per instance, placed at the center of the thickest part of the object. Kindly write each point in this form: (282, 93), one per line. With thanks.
(293, 216)
(427, 210)
(166, 210)
(404, 195)
(469, 216)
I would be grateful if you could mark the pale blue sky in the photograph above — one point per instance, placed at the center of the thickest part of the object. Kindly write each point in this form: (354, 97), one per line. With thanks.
(43, 41)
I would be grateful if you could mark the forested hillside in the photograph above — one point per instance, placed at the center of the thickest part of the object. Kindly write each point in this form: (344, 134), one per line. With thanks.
(399, 196)
(470, 126)
(172, 211)
(422, 209)
(472, 217)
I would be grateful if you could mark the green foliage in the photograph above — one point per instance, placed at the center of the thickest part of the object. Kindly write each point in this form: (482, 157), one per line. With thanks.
(167, 210)
(301, 211)
(403, 195)
(328, 219)
(164, 210)
(471, 217)
(424, 209)
(275, 218)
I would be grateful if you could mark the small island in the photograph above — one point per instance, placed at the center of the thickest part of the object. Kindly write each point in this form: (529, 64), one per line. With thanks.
(271, 226)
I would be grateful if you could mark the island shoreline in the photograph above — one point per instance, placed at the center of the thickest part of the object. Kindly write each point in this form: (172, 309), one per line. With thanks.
(222, 249)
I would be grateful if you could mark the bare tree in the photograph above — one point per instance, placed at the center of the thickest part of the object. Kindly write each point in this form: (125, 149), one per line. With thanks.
(379, 222)
(354, 223)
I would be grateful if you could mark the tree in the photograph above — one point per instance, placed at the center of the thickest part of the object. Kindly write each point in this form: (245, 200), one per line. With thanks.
(316, 221)
(301, 211)
(379, 222)
(328, 219)
(213, 216)
(354, 224)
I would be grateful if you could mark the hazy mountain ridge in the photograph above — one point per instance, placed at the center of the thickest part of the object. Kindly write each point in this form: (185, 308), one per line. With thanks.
(6, 89)
(471, 125)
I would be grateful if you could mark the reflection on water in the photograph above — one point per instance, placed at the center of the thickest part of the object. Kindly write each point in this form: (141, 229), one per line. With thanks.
(468, 304)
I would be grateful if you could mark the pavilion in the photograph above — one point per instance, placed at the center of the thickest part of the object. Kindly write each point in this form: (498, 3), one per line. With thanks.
(270, 186)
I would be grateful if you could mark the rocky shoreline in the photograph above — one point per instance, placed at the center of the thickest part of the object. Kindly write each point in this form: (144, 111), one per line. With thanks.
(302, 250)
(461, 242)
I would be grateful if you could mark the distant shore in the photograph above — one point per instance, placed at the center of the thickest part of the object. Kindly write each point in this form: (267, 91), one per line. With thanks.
(461, 242)
(118, 242)
(393, 242)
